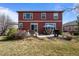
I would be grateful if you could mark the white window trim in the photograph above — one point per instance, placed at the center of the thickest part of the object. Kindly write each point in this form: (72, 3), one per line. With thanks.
(41, 15)
(55, 15)
(27, 13)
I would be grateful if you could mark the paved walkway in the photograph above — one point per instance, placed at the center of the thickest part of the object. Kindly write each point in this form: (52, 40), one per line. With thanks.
(45, 35)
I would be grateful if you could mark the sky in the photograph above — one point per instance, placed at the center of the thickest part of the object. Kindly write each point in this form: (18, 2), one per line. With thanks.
(14, 7)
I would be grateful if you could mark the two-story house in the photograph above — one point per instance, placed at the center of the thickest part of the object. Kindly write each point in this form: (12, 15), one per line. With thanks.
(38, 20)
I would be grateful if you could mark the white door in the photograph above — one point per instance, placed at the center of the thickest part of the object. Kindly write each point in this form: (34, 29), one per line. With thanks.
(34, 26)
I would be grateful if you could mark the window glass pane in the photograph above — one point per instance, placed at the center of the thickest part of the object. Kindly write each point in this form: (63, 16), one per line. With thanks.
(20, 25)
(43, 15)
(55, 15)
(52, 24)
(27, 15)
(32, 27)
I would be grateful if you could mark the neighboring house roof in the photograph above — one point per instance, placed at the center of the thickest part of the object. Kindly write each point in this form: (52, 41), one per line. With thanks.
(70, 23)
(38, 11)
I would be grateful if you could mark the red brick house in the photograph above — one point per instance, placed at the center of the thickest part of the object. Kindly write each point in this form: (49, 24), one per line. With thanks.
(38, 20)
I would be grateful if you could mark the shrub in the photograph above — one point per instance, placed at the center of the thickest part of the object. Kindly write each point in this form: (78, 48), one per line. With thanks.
(11, 37)
(10, 34)
(15, 35)
(20, 35)
(67, 37)
(76, 33)
(60, 32)
(11, 31)
(56, 33)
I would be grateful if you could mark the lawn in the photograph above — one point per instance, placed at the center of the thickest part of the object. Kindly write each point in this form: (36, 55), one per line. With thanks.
(43, 47)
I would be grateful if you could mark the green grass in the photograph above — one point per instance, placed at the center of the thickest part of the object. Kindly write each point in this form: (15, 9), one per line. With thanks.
(34, 47)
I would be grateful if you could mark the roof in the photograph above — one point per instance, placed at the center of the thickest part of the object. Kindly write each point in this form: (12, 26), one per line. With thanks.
(38, 11)
(71, 23)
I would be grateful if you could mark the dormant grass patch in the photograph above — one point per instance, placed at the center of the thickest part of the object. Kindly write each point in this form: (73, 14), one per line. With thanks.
(33, 46)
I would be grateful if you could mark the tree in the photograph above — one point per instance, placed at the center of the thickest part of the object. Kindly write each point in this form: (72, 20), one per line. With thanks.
(7, 19)
(78, 22)
(5, 22)
(75, 9)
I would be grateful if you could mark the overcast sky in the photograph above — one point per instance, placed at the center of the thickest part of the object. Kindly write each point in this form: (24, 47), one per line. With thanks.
(67, 16)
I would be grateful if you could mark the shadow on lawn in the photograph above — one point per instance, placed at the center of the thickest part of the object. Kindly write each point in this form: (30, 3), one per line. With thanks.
(10, 40)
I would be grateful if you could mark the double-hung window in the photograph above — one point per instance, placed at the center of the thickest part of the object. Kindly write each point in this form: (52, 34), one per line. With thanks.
(28, 16)
(55, 16)
(43, 15)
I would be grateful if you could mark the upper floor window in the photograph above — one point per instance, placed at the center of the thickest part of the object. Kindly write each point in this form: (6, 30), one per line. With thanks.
(55, 15)
(43, 15)
(27, 15)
